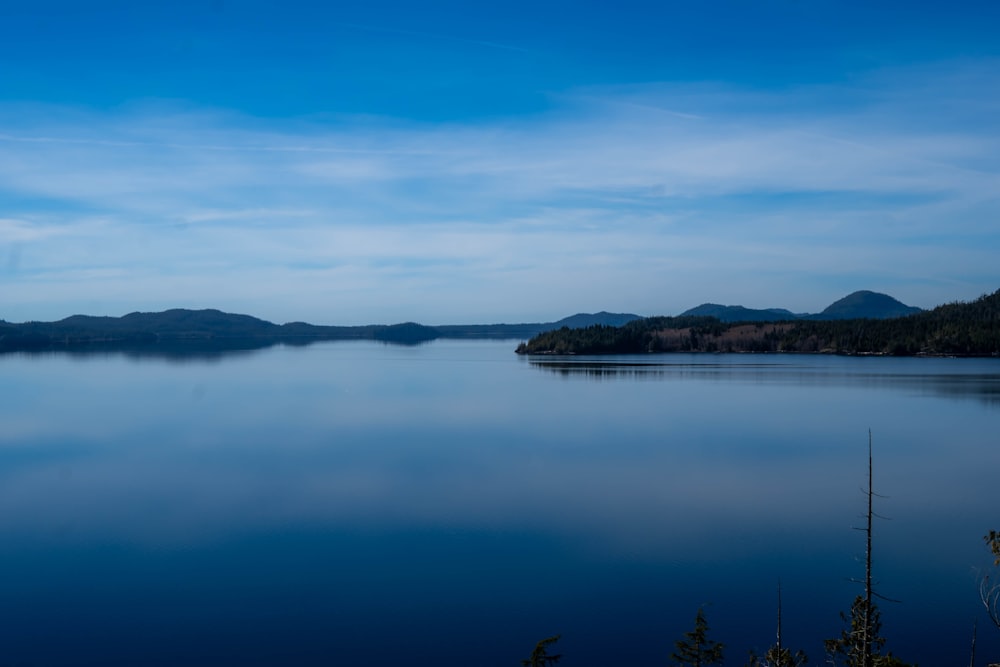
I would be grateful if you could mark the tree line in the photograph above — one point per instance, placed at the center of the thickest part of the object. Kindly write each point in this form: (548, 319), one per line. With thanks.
(956, 329)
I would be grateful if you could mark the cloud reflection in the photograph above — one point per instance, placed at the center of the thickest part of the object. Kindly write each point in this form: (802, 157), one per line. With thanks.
(356, 435)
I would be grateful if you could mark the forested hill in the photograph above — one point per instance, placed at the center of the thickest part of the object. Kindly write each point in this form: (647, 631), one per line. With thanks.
(529, 329)
(217, 330)
(960, 329)
(740, 313)
(188, 326)
(860, 304)
(865, 304)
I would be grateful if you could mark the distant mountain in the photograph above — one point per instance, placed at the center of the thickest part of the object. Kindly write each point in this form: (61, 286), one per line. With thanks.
(528, 329)
(178, 322)
(857, 305)
(189, 326)
(213, 331)
(581, 320)
(865, 304)
(739, 313)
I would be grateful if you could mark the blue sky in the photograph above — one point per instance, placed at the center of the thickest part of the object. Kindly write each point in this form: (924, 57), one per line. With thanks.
(450, 162)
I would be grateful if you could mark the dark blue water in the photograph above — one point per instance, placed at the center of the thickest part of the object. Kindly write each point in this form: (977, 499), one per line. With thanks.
(354, 503)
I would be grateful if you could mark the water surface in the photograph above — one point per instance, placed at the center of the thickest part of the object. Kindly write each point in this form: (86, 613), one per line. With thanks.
(357, 503)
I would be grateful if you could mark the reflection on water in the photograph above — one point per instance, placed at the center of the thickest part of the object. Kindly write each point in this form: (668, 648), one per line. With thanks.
(183, 350)
(304, 505)
(972, 384)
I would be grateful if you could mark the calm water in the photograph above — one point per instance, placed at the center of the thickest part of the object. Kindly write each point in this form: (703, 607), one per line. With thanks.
(452, 503)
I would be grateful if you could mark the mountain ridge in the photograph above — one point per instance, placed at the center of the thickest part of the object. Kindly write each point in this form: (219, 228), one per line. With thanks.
(218, 329)
(211, 326)
(856, 305)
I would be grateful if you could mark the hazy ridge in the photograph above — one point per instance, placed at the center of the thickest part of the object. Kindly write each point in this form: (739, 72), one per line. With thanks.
(860, 304)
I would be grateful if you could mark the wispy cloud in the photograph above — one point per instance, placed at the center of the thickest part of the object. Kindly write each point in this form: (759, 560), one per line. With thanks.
(649, 198)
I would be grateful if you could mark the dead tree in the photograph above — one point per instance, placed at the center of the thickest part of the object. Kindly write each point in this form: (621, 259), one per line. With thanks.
(860, 643)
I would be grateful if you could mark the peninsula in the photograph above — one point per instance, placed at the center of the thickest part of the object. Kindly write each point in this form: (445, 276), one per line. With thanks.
(956, 329)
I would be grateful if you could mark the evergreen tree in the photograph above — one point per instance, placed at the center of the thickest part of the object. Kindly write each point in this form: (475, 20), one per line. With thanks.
(540, 656)
(993, 542)
(850, 649)
(696, 649)
(860, 643)
(778, 655)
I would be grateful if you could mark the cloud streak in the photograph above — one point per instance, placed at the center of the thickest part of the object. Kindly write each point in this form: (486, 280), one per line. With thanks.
(650, 198)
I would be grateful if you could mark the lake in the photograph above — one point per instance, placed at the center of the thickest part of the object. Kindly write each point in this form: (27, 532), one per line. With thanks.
(453, 503)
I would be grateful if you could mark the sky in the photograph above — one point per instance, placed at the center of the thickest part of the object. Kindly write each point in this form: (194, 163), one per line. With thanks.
(462, 162)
